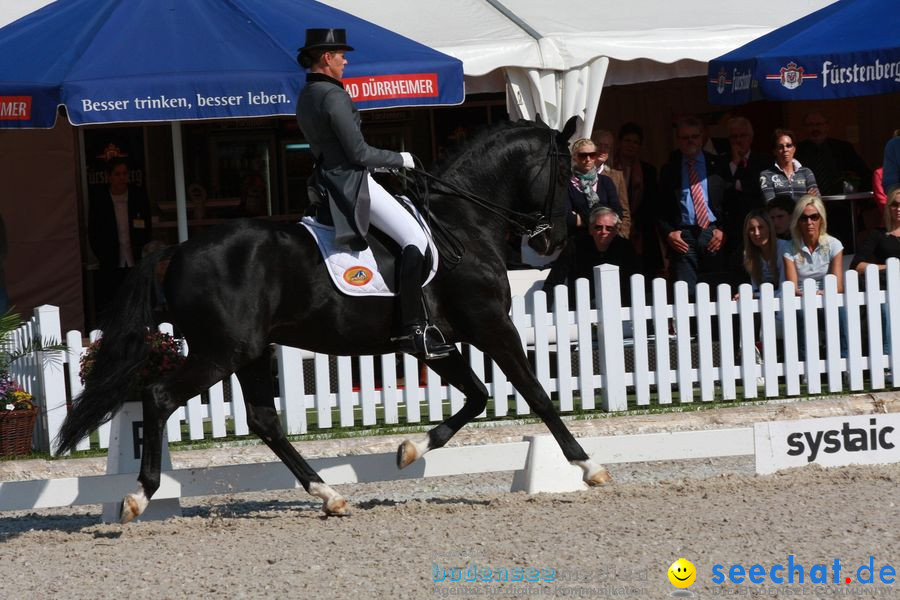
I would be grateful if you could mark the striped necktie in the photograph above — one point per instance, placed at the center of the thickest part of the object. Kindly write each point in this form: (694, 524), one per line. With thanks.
(700, 213)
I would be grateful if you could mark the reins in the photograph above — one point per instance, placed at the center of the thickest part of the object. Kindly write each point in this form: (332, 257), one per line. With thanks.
(527, 224)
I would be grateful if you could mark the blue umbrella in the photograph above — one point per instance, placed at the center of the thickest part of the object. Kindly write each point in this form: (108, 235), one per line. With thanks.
(112, 61)
(849, 48)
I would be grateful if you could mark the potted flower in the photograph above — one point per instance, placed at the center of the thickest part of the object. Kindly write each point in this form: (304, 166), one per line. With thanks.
(17, 407)
(165, 355)
(17, 416)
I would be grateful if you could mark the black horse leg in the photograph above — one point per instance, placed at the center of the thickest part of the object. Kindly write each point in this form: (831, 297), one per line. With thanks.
(512, 360)
(262, 418)
(159, 401)
(457, 373)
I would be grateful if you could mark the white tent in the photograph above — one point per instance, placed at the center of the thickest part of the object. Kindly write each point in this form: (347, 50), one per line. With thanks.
(554, 57)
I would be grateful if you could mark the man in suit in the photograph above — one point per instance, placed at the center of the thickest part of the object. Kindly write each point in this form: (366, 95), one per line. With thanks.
(832, 161)
(691, 192)
(118, 229)
(742, 191)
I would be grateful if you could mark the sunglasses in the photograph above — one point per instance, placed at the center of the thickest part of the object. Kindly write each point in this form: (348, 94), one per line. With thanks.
(812, 218)
(784, 146)
(604, 227)
(583, 155)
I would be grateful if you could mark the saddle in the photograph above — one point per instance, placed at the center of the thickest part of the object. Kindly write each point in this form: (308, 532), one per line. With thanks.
(369, 272)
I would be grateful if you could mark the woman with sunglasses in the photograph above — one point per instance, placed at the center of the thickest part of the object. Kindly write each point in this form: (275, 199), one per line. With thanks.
(787, 176)
(814, 255)
(588, 189)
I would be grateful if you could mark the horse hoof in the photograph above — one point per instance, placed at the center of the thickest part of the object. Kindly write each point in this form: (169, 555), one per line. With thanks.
(600, 477)
(406, 454)
(336, 507)
(132, 507)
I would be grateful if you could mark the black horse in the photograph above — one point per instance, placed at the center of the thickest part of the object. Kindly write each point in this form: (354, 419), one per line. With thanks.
(241, 287)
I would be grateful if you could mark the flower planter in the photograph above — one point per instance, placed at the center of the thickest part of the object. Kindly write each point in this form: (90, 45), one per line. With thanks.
(16, 431)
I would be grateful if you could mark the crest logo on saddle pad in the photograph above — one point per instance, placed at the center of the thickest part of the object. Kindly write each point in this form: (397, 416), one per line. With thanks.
(358, 275)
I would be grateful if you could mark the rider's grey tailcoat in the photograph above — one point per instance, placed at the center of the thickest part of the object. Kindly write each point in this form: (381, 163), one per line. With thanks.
(330, 123)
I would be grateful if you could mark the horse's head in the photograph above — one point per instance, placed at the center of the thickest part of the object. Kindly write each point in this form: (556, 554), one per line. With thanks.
(549, 174)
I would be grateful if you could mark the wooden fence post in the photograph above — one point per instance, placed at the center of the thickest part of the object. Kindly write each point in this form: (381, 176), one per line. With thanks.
(51, 374)
(892, 299)
(290, 382)
(610, 337)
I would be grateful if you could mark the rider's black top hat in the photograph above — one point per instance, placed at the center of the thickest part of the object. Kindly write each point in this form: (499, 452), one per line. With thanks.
(325, 39)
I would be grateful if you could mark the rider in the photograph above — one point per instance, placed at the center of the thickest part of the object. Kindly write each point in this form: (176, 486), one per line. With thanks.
(331, 124)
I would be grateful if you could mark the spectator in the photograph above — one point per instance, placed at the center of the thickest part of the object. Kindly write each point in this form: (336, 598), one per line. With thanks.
(587, 190)
(837, 166)
(885, 243)
(814, 255)
(606, 247)
(763, 252)
(742, 193)
(891, 163)
(877, 248)
(641, 191)
(787, 176)
(603, 141)
(691, 190)
(118, 228)
(763, 260)
(872, 212)
(780, 209)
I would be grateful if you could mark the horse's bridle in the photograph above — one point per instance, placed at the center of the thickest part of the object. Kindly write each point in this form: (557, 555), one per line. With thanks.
(527, 224)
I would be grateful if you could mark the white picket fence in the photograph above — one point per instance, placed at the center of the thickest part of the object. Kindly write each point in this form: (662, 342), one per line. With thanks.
(610, 350)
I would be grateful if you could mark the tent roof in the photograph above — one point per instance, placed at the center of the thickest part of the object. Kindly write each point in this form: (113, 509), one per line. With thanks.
(839, 51)
(574, 31)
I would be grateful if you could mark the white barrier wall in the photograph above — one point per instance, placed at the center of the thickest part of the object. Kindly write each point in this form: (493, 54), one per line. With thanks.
(659, 350)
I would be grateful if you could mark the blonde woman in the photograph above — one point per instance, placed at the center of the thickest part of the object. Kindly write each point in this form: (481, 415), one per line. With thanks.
(815, 254)
(587, 190)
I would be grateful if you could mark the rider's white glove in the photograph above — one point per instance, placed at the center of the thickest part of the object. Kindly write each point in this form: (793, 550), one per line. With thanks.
(408, 160)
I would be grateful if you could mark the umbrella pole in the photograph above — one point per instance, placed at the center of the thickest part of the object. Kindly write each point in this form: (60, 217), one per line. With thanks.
(180, 195)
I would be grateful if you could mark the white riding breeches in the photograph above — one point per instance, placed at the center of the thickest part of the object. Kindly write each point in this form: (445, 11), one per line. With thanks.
(386, 214)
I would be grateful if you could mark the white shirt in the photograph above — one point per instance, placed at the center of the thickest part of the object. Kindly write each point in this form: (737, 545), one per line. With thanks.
(815, 265)
(120, 206)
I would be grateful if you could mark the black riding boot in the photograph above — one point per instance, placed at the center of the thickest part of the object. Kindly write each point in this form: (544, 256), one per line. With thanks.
(417, 336)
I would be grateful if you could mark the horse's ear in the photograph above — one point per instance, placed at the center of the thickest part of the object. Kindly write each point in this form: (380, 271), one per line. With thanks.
(568, 130)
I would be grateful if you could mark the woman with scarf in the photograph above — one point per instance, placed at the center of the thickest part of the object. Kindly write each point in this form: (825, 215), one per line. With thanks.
(588, 189)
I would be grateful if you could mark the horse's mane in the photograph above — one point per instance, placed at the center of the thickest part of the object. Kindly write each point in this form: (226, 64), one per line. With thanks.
(474, 145)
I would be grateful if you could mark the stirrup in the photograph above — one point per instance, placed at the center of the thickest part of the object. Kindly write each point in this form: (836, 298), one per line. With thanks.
(424, 341)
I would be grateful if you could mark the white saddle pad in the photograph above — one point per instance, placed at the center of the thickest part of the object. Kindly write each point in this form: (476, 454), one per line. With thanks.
(356, 273)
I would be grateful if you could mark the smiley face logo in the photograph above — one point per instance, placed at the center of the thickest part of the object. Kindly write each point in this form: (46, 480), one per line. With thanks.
(682, 573)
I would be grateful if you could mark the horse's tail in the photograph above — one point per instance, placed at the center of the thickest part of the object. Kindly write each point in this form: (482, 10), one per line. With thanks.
(123, 350)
